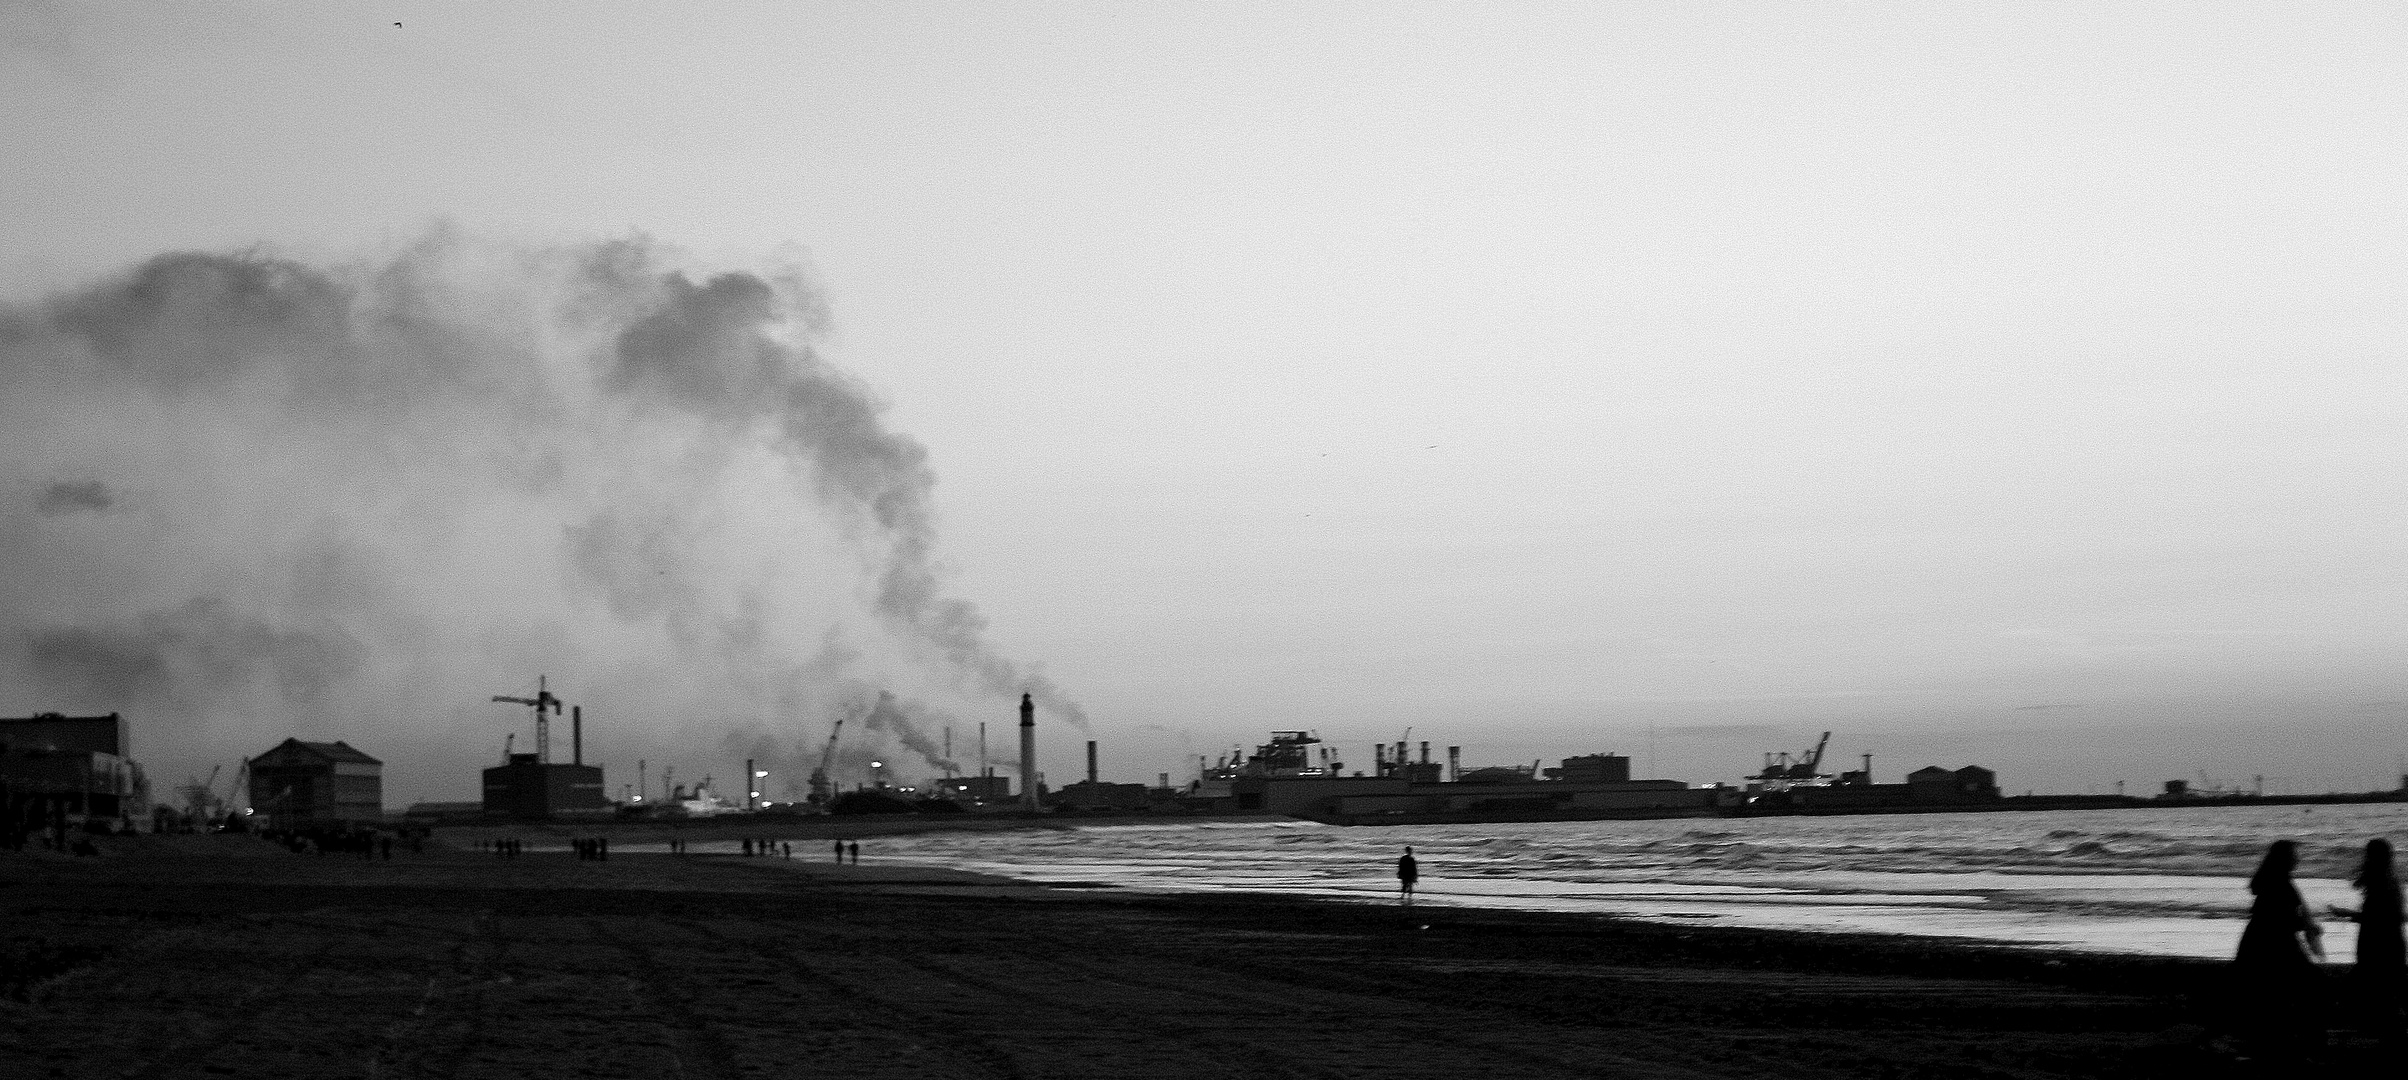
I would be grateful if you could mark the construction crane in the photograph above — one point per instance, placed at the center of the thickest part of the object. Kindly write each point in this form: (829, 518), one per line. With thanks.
(235, 797)
(822, 785)
(543, 733)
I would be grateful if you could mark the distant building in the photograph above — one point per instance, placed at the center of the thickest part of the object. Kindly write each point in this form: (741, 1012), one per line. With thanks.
(55, 764)
(305, 784)
(1927, 786)
(527, 787)
(1933, 784)
(1593, 769)
(1093, 795)
(1495, 774)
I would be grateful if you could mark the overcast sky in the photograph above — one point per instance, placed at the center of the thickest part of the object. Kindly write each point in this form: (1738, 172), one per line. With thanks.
(2015, 384)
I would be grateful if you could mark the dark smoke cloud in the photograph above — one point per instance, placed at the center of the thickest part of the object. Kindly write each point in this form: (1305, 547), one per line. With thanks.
(189, 656)
(68, 497)
(894, 717)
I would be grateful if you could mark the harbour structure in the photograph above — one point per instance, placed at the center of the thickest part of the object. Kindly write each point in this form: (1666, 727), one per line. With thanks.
(1929, 787)
(1278, 778)
(298, 784)
(53, 766)
(1783, 772)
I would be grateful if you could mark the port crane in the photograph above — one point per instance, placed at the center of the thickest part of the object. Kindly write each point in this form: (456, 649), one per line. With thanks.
(823, 788)
(1783, 771)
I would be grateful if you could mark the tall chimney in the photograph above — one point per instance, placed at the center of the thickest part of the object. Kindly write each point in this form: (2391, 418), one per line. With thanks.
(577, 735)
(1028, 753)
(1454, 764)
(1091, 761)
(1425, 753)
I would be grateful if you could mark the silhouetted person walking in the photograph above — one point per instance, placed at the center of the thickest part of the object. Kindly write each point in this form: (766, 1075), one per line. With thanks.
(840, 851)
(1407, 872)
(855, 847)
(2382, 970)
(2278, 989)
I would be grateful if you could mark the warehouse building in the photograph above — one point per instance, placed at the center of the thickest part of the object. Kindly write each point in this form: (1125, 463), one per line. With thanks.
(317, 784)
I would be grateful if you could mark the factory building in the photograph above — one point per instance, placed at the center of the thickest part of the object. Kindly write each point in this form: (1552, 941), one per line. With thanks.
(313, 784)
(977, 788)
(1094, 794)
(526, 786)
(52, 765)
(1593, 768)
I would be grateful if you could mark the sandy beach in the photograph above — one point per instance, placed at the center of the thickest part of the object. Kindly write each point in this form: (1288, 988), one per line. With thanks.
(222, 956)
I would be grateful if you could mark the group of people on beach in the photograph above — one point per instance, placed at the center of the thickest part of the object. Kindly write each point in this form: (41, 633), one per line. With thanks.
(2283, 996)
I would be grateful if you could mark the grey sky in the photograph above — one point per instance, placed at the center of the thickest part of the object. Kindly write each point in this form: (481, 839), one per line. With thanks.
(1528, 374)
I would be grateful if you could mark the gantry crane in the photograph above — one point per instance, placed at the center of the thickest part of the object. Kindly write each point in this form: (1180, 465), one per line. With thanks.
(1782, 771)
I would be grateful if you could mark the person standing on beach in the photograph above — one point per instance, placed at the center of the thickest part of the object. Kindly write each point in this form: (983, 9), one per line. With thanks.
(840, 851)
(2382, 967)
(1407, 872)
(2277, 985)
(855, 846)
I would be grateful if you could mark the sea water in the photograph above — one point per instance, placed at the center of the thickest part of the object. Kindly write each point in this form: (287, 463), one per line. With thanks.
(2163, 881)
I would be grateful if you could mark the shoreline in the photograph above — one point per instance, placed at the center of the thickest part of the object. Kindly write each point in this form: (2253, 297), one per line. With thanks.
(454, 964)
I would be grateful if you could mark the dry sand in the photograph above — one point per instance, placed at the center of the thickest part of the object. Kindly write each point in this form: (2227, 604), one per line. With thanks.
(220, 956)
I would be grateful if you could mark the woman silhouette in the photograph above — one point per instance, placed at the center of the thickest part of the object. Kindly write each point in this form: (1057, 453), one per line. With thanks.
(2277, 983)
(2382, 967)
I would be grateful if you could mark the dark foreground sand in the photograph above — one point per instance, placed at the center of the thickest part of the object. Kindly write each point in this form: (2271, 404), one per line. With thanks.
(218, 956)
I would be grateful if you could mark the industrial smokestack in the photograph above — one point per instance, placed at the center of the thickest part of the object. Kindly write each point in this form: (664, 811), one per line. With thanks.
(1454, 764)
(1425, 753)
(1028, 753)
(1091, 761)
(577, 735)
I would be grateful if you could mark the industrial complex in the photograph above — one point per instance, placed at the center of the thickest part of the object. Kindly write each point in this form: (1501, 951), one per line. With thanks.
(57, 771)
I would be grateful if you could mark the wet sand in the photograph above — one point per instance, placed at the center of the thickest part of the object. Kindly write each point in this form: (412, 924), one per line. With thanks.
(219, 956)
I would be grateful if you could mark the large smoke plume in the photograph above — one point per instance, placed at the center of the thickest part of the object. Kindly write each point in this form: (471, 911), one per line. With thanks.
(258, 497)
